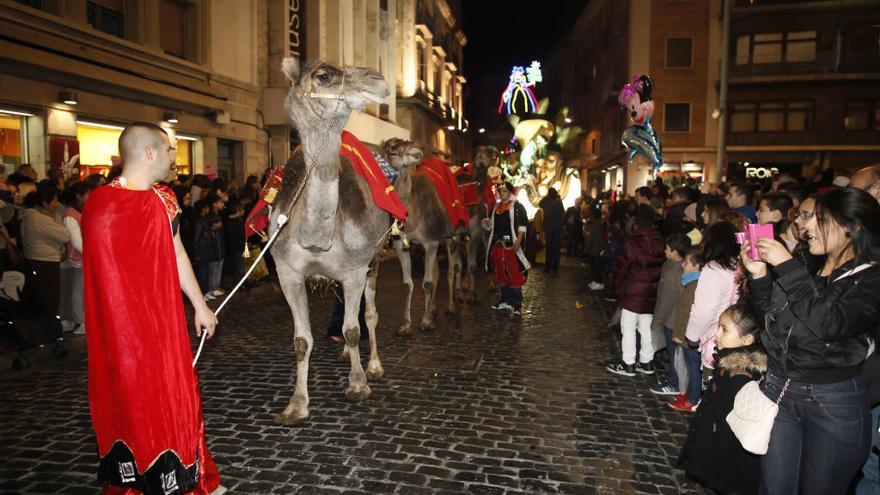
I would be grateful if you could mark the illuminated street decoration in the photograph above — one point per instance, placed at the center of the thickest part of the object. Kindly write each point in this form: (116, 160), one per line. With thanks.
(519, 88)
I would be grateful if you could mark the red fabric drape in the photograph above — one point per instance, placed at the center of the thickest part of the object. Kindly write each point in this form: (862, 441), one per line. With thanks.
(365, 164)
(447, 187)
(143, 390)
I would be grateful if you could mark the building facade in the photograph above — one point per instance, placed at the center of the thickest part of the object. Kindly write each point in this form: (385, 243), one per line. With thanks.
(73, 73)
(430, 82)
(804, 86)
(678, 44)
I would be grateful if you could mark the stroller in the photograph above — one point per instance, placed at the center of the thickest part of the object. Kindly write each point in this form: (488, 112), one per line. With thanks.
(23, 331)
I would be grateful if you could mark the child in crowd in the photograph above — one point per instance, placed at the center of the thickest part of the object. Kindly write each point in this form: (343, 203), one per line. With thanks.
(668, 292)
(774, 210)
(714, 455)
(690, 384)
(638, 274)
(235, 239)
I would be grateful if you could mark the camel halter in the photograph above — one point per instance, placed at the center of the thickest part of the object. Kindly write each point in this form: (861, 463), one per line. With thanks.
(327, 96)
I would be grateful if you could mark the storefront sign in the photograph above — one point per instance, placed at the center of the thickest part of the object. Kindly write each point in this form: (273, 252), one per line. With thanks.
(761, 172)
(296, 28)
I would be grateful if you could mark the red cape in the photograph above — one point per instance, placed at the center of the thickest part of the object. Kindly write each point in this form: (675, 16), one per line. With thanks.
(143, 390)
(447, 188)
(365, 164)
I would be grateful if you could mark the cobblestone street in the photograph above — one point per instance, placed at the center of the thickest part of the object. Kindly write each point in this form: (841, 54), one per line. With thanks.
(482, 405)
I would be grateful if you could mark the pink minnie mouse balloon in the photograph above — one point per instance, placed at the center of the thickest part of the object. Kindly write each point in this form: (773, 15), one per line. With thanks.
(635, 98)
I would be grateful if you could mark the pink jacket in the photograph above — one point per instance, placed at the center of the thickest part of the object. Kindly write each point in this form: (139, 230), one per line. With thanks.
(716, 291)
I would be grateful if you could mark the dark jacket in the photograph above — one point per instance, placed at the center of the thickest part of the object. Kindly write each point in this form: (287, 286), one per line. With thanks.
(714, 455)
(668, 292)
(554, 214)
(594, 237)
(573, 220)
(679, 324)
(638, 271)
(817, 328)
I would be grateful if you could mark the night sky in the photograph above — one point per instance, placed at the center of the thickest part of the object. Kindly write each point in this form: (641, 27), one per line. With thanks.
(503, 34)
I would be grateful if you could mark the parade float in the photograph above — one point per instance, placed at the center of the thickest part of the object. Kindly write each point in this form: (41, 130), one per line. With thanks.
(535, 158)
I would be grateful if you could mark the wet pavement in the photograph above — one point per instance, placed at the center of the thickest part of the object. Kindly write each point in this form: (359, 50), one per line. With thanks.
(484, 404)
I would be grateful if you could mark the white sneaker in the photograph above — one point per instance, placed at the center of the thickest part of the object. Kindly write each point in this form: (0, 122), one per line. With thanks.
(209, 297)
(596, 286)
(501, 306)
(218, 292)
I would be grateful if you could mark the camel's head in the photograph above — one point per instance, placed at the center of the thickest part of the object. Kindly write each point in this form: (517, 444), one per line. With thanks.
(402, 154)
(485, 157)
(321, 92)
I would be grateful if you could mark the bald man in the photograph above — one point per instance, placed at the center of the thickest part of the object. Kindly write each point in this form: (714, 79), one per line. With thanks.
(868, 180)
(143, 390)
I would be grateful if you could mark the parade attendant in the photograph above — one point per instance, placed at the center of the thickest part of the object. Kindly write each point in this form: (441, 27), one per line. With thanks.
(143, 390)
(819, 329)
(714, 455)
(506, 259)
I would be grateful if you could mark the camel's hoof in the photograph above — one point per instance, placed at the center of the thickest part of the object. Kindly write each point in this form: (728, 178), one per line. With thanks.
(358, 392)
(375, 373)
(405, 330)
(428, 326)
(290, 419)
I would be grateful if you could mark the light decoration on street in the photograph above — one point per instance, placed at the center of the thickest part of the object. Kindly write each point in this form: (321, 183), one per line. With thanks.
(519, 88)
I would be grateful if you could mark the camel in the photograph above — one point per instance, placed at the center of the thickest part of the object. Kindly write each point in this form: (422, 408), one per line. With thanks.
(334, 228)
(484, 158)
(427, 223)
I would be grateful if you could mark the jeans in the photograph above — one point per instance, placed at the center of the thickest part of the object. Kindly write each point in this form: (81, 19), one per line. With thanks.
(820, 437)
(693, 359)
(870, 483)
(215, 275)
(597, 268)
(512, 296)
(671, 351)
(630, 323)
(203, 275)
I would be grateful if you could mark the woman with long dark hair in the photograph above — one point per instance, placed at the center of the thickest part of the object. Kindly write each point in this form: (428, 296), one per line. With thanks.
(818, 333)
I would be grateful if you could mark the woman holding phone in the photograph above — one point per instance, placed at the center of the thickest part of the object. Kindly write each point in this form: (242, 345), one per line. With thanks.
(817, 335)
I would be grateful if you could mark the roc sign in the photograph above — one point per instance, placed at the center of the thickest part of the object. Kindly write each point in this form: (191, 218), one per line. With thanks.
(761, 172)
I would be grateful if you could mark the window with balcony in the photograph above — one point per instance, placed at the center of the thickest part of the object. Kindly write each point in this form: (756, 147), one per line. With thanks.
(771, 116)
(679, 52)
(861, 47)
(677, 117)
(775, 48)
(861, 114)
(107, 16)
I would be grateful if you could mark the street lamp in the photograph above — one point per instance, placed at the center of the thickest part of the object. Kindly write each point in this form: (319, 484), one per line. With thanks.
(170, 117)
(67, 97)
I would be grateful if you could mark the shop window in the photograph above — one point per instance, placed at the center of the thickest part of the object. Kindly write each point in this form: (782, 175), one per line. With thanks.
(767, 48)
(11, 142)
(800, 46)
(677, 117)
(861, 47)
(184, 158)
(742, 117)
(679, 52)
(98, 144)
(107, 16)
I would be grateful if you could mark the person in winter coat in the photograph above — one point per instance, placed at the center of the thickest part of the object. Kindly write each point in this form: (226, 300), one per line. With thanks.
(638, 274)
(715, 457)
(689, 383)
(554, 215)
(668, 291)
(819, 329)
(717, 289)
(44, 240)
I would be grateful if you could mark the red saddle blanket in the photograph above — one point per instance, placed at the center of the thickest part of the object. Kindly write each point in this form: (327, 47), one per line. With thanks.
(447, 188)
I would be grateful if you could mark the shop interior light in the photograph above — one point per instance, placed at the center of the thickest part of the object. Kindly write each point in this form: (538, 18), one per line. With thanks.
(482, 130)
(15, 112)
(170, 117)
(100, 126)
(451, 127)
(186, 138)
(67, 97)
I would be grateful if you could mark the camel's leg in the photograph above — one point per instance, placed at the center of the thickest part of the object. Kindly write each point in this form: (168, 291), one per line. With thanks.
(453, 273)
(353, 286)
(294, 288)
(429, 283)
(374, 366)
(406, 270)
